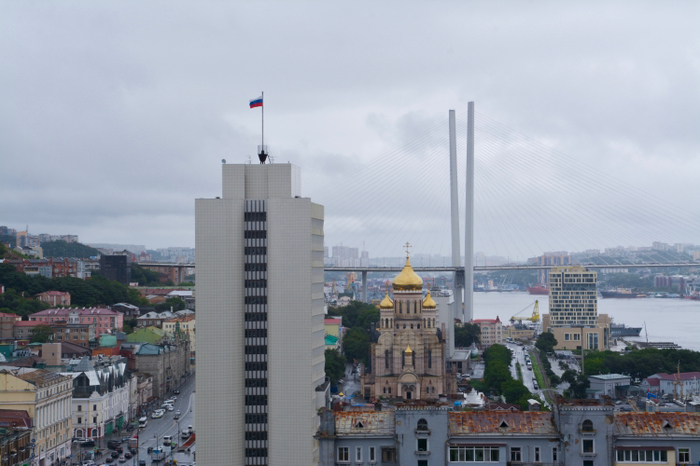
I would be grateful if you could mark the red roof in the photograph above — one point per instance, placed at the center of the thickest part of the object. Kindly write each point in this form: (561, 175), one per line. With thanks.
(27, 323)
(15, 418)
(333, 321)
(486, 321)
(4, 314)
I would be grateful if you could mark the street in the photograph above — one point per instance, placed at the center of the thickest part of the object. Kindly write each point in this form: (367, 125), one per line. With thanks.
(152, 435)
(155, 430)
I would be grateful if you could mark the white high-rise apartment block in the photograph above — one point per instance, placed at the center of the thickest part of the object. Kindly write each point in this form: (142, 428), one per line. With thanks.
(260, 365)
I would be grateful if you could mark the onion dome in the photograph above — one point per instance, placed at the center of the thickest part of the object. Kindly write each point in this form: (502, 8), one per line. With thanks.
(386, 303)
(408, 280)
(408, 350)
(428, 302)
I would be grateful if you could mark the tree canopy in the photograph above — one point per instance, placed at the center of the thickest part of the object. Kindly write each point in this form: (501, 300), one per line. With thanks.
(640, 364)
(356, 344)
(42, 334)
(467, 334)
(62, 248)
(546, 342)
(335, 365)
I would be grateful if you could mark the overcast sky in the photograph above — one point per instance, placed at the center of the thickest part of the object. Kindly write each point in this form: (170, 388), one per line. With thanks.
(115, 116)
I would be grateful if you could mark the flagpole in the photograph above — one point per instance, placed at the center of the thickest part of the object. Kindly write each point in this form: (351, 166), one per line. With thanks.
(262, 96)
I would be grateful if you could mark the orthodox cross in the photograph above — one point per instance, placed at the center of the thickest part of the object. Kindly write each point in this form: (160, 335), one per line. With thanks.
(407, 245)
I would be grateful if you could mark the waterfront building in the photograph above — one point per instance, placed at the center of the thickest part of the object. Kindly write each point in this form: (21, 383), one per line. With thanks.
(573, 310)
(408, 359)
(491, 331)
(46, 396)
(261, 319)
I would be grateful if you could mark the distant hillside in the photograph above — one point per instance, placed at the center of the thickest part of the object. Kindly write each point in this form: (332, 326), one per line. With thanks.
(8, 239)
(64, 249)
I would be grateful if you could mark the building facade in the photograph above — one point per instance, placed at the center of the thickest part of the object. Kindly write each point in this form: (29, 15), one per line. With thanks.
(116, 267)
(55, 298)
(105, 320)
(260, 305)
(46, 396)
(491, 331)
(573, 310)
(408, 360)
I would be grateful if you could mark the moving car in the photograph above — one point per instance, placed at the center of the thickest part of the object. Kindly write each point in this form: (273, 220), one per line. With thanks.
(158, 413)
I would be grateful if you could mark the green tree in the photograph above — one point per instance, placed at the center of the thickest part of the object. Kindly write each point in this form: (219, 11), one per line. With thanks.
(466, 334)
(496, 374)
(143, 276)
(42, 334)
(335, 365)
(514, 391)
(174, 302)
(546, 342)
(356, 344)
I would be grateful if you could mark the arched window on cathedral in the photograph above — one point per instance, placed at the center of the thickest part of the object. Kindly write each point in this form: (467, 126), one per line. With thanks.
(386, 359)
(413, 359)
(400, 308)
(422, 423)
(430, 359)
(404, 325)
(387, 323)
(411, 325)
(403, 359)
(415, 307)
(418, 326)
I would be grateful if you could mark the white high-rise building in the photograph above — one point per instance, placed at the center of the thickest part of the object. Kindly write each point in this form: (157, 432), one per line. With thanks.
(260, 365)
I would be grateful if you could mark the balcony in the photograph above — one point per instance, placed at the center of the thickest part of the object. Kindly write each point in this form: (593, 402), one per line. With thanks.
(422, 453)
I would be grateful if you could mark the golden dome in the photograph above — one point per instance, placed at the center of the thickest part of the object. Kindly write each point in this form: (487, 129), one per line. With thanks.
(408, 280)
(408, 350)
(386, 303)
(428, 302)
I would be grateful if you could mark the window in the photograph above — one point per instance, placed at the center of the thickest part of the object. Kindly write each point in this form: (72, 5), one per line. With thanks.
(388, 455)
(515, 454)
(684, 455)
(358, 454)
(555, 454)
(422, 444)
(587, 426)
(587, 463)
(474, 454)
(372, 454)
(422, 425)
(80, 408)
(642, 456)
(538, 455)
(422, 462)
(94, 420)
(343, 454)
(80, 420)
(587, 446)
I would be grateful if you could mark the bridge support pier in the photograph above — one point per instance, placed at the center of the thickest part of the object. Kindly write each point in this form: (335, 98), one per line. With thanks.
(364, 286)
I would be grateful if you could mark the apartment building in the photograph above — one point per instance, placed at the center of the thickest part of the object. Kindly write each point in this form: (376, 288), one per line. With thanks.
(46, 396)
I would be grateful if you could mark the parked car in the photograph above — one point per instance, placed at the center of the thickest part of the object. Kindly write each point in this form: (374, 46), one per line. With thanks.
(122, 459)
(170, 408)
(177, 392)
(114, 454)
(113, 444)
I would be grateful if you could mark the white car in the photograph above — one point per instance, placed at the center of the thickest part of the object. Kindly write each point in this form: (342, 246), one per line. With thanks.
(171, 408)
(158, 413)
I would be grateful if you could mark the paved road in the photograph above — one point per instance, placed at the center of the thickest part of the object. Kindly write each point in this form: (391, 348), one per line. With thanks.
(153, 434)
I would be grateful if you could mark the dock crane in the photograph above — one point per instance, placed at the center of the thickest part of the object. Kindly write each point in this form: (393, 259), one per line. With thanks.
(535, 313)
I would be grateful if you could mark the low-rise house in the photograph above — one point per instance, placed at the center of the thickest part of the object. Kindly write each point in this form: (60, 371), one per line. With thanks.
(55, 298)
(611, 385)
(154, 318)
(688, 382)
(151, 335)
(128, 310)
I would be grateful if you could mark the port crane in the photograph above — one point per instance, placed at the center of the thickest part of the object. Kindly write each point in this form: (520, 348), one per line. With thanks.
(535, 313)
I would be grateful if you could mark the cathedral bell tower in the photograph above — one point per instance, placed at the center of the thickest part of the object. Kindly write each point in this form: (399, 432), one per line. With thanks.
(408, 360)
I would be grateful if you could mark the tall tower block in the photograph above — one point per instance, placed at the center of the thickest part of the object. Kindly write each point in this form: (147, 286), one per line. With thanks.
(260, 319)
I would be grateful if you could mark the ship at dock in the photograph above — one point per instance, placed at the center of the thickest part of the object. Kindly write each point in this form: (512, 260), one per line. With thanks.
(622, 293)
(538, 289)
(621, 330)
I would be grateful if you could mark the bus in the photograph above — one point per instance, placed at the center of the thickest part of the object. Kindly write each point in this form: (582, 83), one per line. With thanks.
(143, 422)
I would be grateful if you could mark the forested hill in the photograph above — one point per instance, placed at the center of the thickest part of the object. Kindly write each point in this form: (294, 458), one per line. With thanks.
(64, 249)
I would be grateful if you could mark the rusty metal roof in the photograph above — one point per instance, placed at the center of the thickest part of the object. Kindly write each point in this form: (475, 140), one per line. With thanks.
(502, 423)
(658, 424)
(361, 423)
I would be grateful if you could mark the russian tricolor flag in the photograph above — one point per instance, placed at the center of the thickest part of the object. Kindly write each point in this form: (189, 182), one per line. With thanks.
(256, 102)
